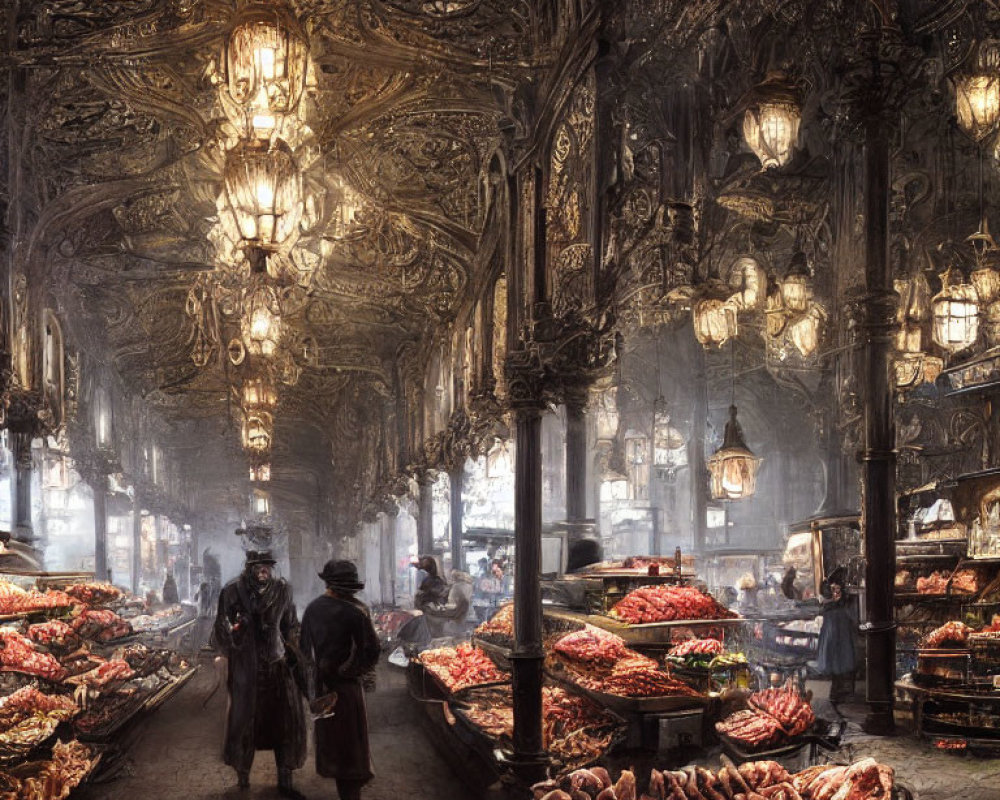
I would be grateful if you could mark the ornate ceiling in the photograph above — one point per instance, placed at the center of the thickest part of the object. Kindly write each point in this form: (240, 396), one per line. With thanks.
(115, 137)
(116, 144)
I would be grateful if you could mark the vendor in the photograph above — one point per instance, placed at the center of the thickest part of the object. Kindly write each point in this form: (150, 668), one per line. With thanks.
(835, 656)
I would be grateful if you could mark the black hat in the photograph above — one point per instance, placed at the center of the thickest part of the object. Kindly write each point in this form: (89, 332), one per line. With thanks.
(342, 575)
(259, 557)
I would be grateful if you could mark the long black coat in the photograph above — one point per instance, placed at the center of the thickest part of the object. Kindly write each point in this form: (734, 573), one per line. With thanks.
(265, 704)
(339, 641)
(835, 655)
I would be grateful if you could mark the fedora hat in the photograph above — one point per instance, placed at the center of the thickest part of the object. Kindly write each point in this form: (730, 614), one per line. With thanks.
(341, 574)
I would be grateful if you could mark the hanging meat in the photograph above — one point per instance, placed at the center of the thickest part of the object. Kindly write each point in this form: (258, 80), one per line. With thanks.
(666, 603)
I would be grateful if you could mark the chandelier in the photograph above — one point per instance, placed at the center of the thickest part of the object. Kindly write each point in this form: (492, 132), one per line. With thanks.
(266, 62)
(771, 122)
(264, 190)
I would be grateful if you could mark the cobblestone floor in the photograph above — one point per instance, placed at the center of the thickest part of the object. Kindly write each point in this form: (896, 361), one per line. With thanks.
(177, 754)
(930, 774)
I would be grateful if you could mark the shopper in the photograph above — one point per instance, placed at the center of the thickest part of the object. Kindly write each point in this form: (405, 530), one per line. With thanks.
(256, 628)
(170, 594)
(835, 656)
(432, 589)
(449, 618)
(340, 643)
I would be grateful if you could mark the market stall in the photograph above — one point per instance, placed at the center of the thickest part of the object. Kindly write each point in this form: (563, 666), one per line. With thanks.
(74, 674)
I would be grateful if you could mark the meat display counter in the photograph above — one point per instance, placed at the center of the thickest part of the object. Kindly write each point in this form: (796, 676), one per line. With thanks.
(73, 677)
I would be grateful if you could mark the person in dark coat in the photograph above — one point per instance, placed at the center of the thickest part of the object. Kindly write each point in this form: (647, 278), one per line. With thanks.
(257, 629)
(835, 656)
(432, 590)
(341, 646)
(170, 594)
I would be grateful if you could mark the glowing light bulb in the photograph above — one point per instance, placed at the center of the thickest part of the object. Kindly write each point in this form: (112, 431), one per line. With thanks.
(265, 58)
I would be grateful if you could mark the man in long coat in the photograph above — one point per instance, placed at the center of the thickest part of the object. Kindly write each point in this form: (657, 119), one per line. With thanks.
(339, 641)
(257, 629)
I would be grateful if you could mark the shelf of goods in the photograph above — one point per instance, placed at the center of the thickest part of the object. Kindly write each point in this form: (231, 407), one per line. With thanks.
(947, 562)
(73, 675)
(954, 689)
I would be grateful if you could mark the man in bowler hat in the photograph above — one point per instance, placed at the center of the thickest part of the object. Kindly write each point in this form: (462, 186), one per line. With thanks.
(340, 643)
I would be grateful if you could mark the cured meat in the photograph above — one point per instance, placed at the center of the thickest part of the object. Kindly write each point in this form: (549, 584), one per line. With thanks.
(642, 678)
(103, 674)
(101, 625)
(754, 729)
(935, 583)
(665, 603)
(54, 632)
(94, 594)
(28, 701)
(708, 647)
(954, 634)
(786, 705)
(15, 600)
(18, 654)
(592, 646)
(500, 628)
(461, 667)
(56, 778)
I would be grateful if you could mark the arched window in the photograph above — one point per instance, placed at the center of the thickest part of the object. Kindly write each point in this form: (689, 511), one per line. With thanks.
(52, 366)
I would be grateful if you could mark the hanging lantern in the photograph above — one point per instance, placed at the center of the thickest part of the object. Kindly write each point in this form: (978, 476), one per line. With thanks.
(669, 444)
(985, 278)
(261, 323)
(977, 103)
(771, 123)
(260, 473)
(748, 278)
(733, 467)
(264, 191)
(956, 313)
(257, 432)
(796, 286)
(715, 321)
(607, 415)
(259, 393)
(266, 63)
(805, 330)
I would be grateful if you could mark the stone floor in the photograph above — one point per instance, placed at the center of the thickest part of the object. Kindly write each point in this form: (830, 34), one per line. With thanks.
(176, 755)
